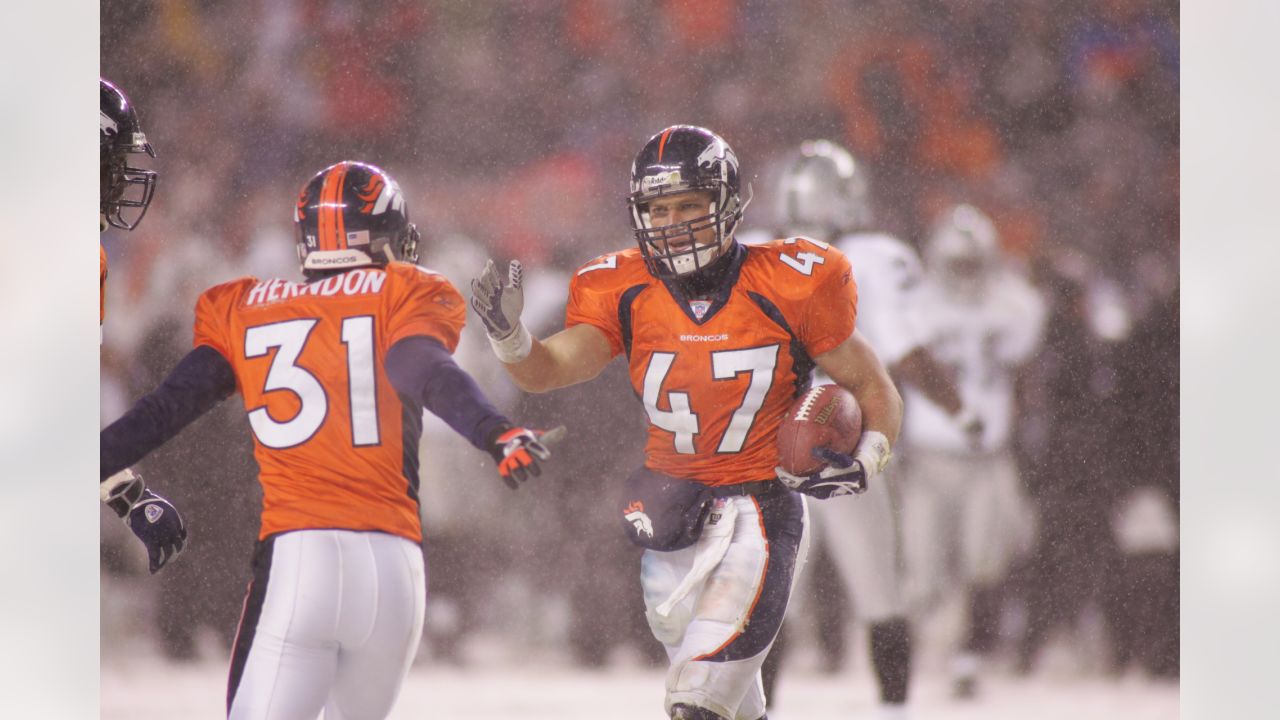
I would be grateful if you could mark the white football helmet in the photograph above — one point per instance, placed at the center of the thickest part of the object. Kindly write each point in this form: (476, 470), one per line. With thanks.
(963, 251)
(824, 193)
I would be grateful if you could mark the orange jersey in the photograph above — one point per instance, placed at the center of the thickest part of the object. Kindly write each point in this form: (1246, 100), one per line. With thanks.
(717, 378)
(335, 444)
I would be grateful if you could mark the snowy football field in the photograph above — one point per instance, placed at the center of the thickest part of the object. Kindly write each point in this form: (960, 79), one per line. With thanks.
(152, 689)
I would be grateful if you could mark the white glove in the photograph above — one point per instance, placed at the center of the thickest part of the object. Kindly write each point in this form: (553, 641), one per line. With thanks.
(499, 306)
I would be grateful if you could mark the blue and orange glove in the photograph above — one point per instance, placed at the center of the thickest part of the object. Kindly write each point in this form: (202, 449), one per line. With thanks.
(153, 519)
(518, 451)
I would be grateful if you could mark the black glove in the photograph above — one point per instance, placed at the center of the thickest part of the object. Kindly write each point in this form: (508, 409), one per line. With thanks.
(518, 451)
(153, 519)
(843, 475)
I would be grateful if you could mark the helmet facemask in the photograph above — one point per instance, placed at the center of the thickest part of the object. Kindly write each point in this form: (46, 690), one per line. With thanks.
(122, 186)
(673, 250)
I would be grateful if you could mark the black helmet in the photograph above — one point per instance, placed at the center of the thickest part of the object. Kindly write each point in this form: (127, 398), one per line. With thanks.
(350, 215)
(677, 160)
(122, 186)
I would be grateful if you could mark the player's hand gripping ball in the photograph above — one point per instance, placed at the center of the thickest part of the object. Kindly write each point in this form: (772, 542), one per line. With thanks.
(817, 440)
(826, 417)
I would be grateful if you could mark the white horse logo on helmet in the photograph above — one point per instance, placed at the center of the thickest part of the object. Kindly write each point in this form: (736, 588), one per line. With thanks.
(635, 515)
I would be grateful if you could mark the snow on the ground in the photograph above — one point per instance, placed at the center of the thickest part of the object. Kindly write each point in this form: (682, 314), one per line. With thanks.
(151, 688)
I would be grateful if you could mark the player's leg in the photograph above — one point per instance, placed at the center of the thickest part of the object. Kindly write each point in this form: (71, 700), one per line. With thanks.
(819, 596)
(996, 528)
(927, 527)
(739, 610)
(660, 575)
(772, 665)
(285, 655)
(830, 605)
(865, 545)
(384, 595)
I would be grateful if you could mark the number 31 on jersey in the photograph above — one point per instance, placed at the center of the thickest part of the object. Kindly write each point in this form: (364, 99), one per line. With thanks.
(291, 337)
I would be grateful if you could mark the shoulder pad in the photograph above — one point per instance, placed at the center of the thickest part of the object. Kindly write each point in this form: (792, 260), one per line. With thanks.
(616, 268)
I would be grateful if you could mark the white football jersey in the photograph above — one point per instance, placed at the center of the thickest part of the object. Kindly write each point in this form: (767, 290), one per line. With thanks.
(889, 278)
(984, 341)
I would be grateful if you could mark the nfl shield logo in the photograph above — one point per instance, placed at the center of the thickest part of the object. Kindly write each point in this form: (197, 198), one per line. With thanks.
(153, 512)
(700, 307)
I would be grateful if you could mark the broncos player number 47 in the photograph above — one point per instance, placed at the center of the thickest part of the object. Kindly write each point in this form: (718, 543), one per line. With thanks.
(718, 338)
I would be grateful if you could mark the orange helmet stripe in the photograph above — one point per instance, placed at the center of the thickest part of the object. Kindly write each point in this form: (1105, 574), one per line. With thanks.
(332, 232)
(339, 217)
(662, 144)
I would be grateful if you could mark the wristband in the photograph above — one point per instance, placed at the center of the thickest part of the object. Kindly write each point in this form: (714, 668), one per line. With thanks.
(873, 452)
(121, 491)
(111, 487)
(514, 347)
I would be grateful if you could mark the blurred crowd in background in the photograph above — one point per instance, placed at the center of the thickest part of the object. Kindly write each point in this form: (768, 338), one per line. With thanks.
(512, 125)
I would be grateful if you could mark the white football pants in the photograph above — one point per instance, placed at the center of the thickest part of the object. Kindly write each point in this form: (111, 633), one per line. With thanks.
(865, 544)
(965, 519)
(724, 599)
(332, 621)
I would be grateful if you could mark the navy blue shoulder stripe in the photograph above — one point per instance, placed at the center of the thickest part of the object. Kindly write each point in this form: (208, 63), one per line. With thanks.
(801, 364)
(624, 313)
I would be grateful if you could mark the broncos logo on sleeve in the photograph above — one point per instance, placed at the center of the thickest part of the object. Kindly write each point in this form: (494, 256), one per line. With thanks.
(329, 429)
(715, 376)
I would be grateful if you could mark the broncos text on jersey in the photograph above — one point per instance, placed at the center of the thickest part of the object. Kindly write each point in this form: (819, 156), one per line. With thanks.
(717, 375)
(336, 445)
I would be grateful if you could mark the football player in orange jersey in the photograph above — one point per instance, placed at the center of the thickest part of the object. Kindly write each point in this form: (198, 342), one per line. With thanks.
(335, 373)
(153, 519)
(720, 337)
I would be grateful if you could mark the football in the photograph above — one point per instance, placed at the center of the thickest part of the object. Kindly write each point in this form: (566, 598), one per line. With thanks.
(825, 416)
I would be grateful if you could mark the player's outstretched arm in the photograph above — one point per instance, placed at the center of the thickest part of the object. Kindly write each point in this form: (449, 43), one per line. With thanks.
(196, 384)
(571, 356)
(201, 380)
(938, 383)
(855, 366)
(420, 367)
(574, 355)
